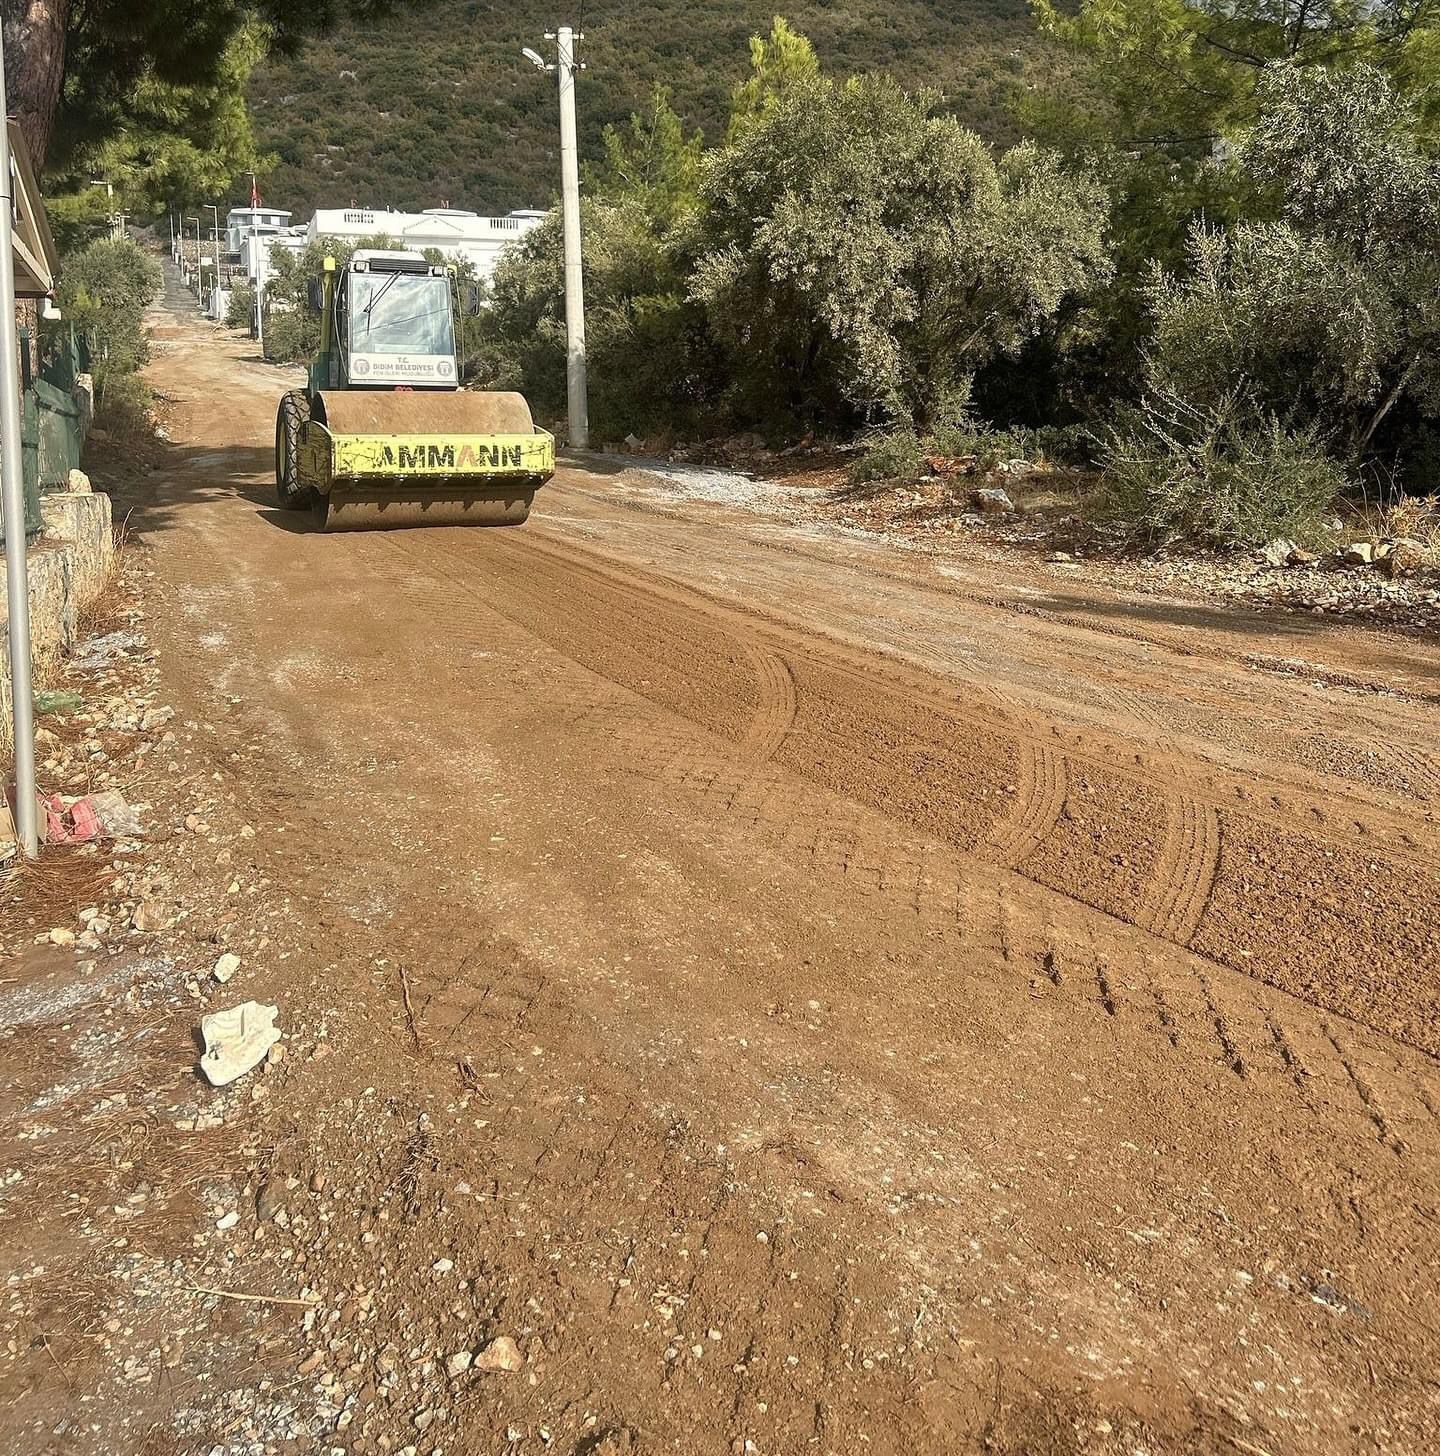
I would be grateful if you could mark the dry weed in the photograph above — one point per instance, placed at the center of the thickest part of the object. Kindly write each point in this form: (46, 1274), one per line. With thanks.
(1412, 516)
(101, 613)
(51, 890)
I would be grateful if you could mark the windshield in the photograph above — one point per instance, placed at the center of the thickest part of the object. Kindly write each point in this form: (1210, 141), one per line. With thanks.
(400, 313)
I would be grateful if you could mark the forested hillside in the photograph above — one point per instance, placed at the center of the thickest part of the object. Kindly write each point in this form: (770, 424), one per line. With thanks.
(438, 103)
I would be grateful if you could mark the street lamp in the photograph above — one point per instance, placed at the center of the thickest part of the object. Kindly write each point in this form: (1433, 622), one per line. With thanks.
(215, 237)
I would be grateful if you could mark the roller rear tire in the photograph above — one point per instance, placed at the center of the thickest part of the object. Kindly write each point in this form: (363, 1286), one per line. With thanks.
(294, 411)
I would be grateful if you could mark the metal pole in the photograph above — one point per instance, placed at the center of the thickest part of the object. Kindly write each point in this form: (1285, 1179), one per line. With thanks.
(576, 392)
(12, 481)
(262, 256)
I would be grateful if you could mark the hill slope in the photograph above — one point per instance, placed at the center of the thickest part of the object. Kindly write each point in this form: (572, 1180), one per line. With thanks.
(438, 104)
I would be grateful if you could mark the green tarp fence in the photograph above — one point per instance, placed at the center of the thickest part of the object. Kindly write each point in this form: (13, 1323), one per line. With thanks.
(51, 422)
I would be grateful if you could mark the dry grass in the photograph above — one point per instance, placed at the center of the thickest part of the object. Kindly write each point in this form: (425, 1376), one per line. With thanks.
(1412, 516)
(44, 673)
(101, 614)
(51, 890)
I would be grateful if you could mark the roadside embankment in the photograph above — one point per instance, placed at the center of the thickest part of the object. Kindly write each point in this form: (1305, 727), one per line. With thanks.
(68, 568)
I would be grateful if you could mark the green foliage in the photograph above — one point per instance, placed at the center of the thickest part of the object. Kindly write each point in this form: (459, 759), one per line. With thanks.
(652, 362)
(104, 290)
(1342, 151)
(467, 294)
(129, 61)
(183, 144)
(292, 327)
(896, 454)
(1178, 74)
(240, 309)
(899, 453)
(77, 218)
(1216, 474)
(852, 252)
(1290, 340)
(778, 63)
(1297, 325)
(1162, 93)
(656, 166)
(863, 254)
(1328, 317)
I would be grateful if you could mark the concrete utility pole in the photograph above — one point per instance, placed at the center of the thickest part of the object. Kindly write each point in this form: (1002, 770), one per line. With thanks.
(577, 394)
(262, 256)
(13, 484)
(576, 389)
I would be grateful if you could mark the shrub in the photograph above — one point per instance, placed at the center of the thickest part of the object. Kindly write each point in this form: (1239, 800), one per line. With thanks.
(899, 453)
(104, 290)
(888, 455)
(240, 311)
(861, 255)
(1214, 474)
(1309, 331)
(653, 362)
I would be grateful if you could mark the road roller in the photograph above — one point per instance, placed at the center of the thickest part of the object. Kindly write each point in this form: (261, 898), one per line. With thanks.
(382, 435)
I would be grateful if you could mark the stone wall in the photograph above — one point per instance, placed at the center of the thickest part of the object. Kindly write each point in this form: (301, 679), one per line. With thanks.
(67, 569)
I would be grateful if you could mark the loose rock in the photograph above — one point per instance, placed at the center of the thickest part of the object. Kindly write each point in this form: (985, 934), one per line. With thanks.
(1404, 558)
(992, 501)
(501, 1356)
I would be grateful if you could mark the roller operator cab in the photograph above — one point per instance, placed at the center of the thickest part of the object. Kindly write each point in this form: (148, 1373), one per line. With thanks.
(383, 435)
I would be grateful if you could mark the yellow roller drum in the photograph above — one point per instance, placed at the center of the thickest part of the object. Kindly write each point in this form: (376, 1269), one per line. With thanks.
(404, 459)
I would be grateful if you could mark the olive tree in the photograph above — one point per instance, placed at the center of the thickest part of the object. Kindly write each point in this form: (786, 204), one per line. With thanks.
(1285, 346)
(860, 254)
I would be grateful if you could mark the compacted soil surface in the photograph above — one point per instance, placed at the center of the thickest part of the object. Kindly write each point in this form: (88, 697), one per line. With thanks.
(745, 987)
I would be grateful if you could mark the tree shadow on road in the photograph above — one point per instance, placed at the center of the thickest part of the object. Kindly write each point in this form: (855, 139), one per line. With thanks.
(1277, 633)
(156, 493)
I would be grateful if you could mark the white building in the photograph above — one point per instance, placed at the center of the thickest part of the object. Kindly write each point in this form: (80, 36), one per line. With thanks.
(249, 222)
(258, 250)
(456, 233)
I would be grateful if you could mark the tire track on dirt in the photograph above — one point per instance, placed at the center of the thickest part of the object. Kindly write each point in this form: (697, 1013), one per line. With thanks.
(973, 703)
(775, 715)
(1175, 903)
(1040, 798)
(1132, 839)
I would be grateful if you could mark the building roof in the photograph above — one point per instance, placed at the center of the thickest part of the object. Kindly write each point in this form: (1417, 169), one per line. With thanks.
(36, 261)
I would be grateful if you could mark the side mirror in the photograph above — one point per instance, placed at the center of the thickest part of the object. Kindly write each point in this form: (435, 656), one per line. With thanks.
(473, 300)
(316, 294)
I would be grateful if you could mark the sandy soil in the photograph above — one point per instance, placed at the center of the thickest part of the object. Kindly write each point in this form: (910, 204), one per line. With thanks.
(808, 996)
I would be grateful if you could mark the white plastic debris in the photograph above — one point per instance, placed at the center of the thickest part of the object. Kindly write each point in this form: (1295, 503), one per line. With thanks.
(117, 818)
(236, 1040)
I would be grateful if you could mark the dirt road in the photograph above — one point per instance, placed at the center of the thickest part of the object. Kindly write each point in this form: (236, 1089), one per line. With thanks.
(816, 997)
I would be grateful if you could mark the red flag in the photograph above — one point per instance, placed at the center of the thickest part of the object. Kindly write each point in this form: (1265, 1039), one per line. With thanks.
(254, 192)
